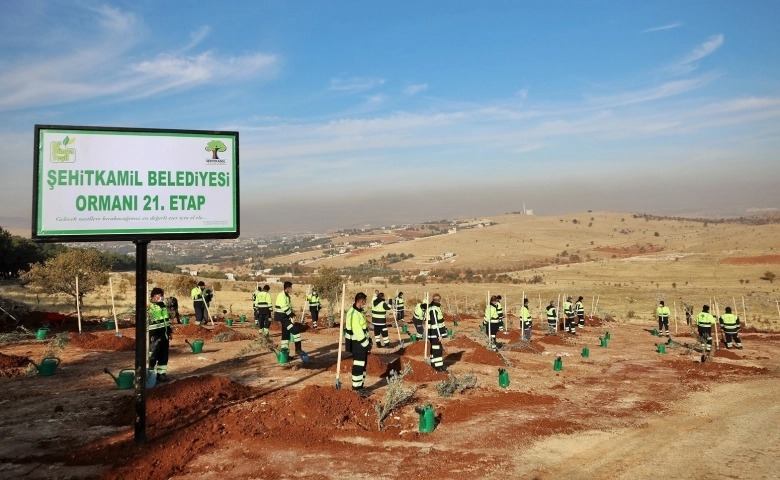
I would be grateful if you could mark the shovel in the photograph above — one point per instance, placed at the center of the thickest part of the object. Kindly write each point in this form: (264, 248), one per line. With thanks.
(341, 337)
(113, 308)
(395, 321)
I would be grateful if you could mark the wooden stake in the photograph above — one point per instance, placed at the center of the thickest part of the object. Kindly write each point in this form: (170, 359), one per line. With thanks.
(487, 319)
(557, 312)
(717, 312)
(744, 312)
(341, 336)
(675, 318)
(78, 308)
(425, 331)
(113, 308)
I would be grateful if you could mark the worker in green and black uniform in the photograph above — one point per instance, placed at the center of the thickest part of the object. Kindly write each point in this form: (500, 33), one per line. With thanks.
(160, 335)
(730, 324)
(379, 310)
(568, 311)
(417, 317)
(492, 322)
(314, 307)
(704, 322)
(283, 312)
(360, 341)
(262, 307)
(526, 321)
(663, 318)
(500, 310)
(579, 307)
(436, 331)
(552, 318)
(198, 303)
(399, 306)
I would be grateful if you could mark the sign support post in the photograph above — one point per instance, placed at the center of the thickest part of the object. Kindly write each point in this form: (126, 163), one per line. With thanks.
(140, 341)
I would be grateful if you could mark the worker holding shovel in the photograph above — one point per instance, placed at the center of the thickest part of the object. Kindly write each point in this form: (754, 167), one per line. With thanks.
(160, 335)
(199, 303)
(283, 312)
(418, 315)
(552, 318)
(435, 324)
(526, 320)
(398, 304)
(379, 309)
(705, 321)
(500, 310)
(492, 322)
(568, 311)
(580, 308)
(360, 342)
(262, 310)
(663, 313)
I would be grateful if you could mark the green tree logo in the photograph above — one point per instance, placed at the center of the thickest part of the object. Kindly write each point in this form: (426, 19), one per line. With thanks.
(215, 146)
(60, 153)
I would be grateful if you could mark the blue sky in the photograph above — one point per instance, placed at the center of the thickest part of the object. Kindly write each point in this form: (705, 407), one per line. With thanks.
(351, 112)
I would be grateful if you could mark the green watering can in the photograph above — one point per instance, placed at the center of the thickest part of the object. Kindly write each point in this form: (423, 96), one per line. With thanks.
(404, 330)
(661, 348)
(449, 332)
(603, 341)
(558, 364)
(110, 325)
(503, 378)
(41, 333)
(455, 324)
(585, 352)
(242, 318)
(655, 332)
(185, 321)
(283, 356)
(47, 367)
(606, 335)
(124, 380)
(196, 345)
(229, 322)
(427, 419)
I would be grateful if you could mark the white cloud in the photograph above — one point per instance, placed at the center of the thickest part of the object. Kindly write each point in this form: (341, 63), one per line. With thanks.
(664, 27)
(196, 37)
(415, 89)
(355, 84)
(664, 90)
(688, 63)
(102, 69)
(523, 94)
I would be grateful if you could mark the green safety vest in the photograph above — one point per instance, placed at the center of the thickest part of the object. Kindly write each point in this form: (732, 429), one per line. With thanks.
(525, 316)
(356, 326)
(196, 294)
(491, 314)
(379, 310)
(283, 304)
(729, 320)
(314, 300)
(419, 311)
(580, 308)
(500, 310)
(567, 310)
(158, 316)
(436, 322)
(704, 319)
(552, 316)
(263, 299)
(663, 312)
(399, 303)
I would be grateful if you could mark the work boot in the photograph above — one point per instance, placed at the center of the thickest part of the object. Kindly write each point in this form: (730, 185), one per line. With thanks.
(739, 347)
(573, 333)
(163, 377)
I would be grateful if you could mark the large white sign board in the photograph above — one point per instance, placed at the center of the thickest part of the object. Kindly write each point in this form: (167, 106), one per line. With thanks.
(95, 182)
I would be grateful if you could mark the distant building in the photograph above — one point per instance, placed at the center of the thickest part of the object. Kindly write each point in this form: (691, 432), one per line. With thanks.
(449, 255)
(452, 230)
(424, 273)
(230, 277)
(194, 273)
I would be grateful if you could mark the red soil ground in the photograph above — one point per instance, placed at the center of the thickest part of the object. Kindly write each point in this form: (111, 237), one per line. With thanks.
(759, 260)
(12, 365)
(105, 341)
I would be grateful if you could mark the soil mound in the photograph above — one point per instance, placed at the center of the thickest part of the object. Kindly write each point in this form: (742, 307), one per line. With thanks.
(173, 402)
(193, 331)
(415, 349)
(106, 341)
(422, 372)
(483, 356)
(12, 365)
(713, 370)
(552, 340)
(325, 407)
(727, 354)
(533, 343)
(375, 367)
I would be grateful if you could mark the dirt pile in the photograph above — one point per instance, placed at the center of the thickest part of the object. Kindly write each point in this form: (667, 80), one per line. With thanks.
(106, 341)
(422, 372)
(535, 345)
(222, 333)
(12, 365)
(727, 354)
(552, 340)
(713, 370)
(192, 331)
(415, 349)
(171, 403)
(325, 407)
(483, 356)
